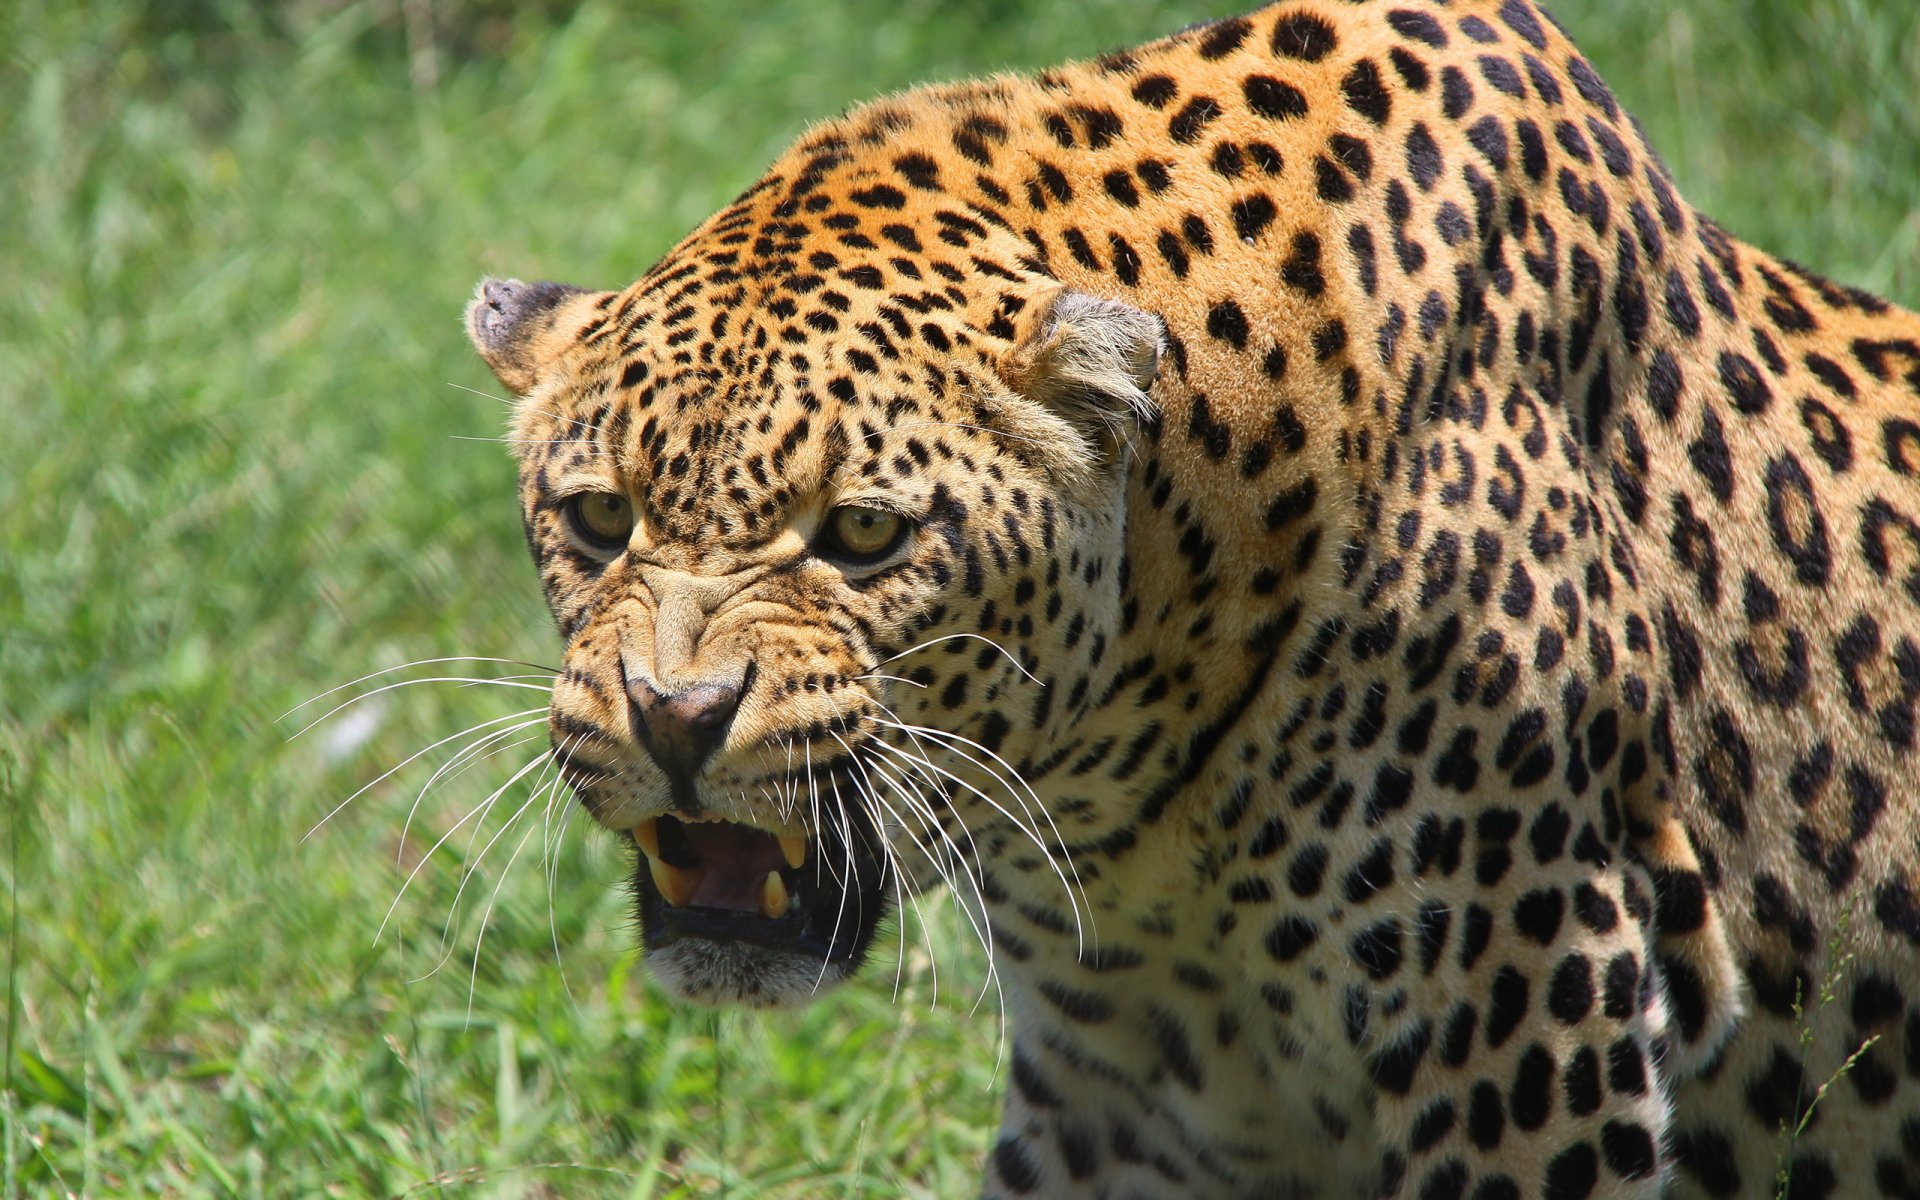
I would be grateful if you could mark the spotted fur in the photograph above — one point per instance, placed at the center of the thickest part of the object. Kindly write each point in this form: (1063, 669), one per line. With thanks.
(1455, 610)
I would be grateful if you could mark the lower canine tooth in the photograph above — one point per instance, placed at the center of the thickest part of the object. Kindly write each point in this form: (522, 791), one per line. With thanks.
(774, 900)
(647, 836)
(677, 884)
(793, 846)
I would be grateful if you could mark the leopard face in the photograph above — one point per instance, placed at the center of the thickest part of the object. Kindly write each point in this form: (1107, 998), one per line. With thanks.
(779, 584)
(1402, 636)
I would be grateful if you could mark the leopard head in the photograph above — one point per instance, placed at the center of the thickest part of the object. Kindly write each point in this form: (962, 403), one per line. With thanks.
(819, 596)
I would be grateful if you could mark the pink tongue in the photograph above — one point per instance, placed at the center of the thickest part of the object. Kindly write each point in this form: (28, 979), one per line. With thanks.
(734, 861)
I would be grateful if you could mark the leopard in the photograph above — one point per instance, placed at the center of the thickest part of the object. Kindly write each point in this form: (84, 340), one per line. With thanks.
(1401, 635)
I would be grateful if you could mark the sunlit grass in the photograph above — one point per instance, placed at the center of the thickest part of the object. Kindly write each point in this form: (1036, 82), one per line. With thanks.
(244, 457)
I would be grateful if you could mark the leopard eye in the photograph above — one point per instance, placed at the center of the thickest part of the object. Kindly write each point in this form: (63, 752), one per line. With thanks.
(862, 535)
(603, 520)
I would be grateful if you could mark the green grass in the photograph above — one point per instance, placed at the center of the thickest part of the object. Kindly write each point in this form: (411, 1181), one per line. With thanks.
(244, 458)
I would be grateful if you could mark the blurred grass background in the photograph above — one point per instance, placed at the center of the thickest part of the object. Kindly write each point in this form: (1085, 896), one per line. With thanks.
(244, 458)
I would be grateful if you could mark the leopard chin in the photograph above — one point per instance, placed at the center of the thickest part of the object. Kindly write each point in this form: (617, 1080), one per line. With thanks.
(732, 913)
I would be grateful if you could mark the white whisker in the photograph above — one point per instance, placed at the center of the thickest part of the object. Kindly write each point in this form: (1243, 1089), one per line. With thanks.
(892, 679)
(520, 716)
(945, 864)
(421, 662)
(469, 681)
(972, 637)
(472, 753)
(1071, 883)
(486, 915)
(477, 810)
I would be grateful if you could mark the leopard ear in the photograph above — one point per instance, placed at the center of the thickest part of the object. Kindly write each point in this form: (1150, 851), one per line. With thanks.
(519, 328)
(1089, 360)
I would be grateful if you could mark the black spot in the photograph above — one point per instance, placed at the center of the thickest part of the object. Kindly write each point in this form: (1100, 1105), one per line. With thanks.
(1412, 71)
(1517, 15)
(1378, 949)
(1680, 896)
(1155, 91)
(1594, 909)
(1709, 1157)
(1032, 1085)
(1225, 37)
(1303, 36)
(1228, 323)
(1290, 938)
(1626, 1067)
(1292, 504)
(1085, 1008)
(1793, 515)
(1174, 253)
(1456, 1042)
(1830, 438)
(1364, 92)
(1176, 1051)
(1663, 385)
(1486, 1116)
(1580, 1082)
(1572, 1173)
(1274, 366)
(1126, 261)
(1301, 270)
(1489, 137)
(1371, 874)
(1188, 123)
(1271, 98)
(1530, 1100)
(1016, 1165)
(1682, 313)
(1810, 1177)
(1430, 925)
(1570, 995)
(919, 170)
(1434, 1122)
(1456, 93)
(1832, 374)
(1417, 26)
(1537, 914)
(1330, 183)
(1424, 159)
(1479, 30)
(1507, 1007)
(1500, 73)
(1308, 871)
(1393, 1067)
(1629, 1149)
(1476, 934)
(1197, 234)
(1329, 340)
(879, 196)
(1252, 214)
(1590, 86)
(1877, 1001)
(1711, 458)
(1748, 391)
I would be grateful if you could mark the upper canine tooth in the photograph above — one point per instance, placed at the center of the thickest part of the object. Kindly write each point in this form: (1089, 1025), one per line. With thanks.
(774, 900)
(677, 884)
(647, 835)
(793, 846)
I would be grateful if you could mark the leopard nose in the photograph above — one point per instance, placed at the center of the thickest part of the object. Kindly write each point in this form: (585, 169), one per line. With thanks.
(682, 729)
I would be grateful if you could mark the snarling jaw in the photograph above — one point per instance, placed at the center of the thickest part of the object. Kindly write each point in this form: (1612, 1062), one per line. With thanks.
(738, 544)
(733, 912)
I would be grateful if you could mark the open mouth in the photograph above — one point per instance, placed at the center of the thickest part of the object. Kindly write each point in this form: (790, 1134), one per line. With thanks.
(713, 886)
